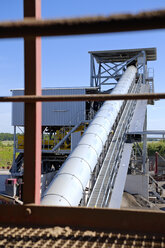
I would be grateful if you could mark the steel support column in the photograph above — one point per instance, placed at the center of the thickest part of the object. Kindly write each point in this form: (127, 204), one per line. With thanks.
(145, 145)
(144, 67)
(91, 70)
(32, 154)
(14, 152)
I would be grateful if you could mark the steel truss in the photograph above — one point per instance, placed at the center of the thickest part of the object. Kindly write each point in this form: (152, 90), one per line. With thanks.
(105, 70)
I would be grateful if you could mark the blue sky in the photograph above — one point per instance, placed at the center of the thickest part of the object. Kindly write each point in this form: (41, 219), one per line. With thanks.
(65, 60)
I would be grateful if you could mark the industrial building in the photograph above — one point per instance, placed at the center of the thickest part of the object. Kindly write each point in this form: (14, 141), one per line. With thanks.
(72, 165)
(85, 145)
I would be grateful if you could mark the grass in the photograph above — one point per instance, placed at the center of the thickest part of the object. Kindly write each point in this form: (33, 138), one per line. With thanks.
(156, 146)
(6, 153)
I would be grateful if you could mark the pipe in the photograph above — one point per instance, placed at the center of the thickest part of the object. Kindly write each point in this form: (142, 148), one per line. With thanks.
(67, 187)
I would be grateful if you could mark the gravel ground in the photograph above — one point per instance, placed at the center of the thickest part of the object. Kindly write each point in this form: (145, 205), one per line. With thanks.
(137, 202)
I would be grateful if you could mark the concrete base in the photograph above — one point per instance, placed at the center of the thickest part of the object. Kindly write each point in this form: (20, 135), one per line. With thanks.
(137, 184)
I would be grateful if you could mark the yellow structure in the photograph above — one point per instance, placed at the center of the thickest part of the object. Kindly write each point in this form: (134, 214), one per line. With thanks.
(50, 140)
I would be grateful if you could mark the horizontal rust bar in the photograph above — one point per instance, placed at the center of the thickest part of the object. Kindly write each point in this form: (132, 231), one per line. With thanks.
(84, 25)
(90, 97)
(107, 219)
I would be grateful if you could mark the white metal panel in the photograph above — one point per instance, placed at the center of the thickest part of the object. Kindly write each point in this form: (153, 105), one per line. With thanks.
(88, 138)
(66, 198)
(117, 193)
(61, 200)
(53, 113)
(102, 121)
(102, 131)
(137, 184)
(85, 152)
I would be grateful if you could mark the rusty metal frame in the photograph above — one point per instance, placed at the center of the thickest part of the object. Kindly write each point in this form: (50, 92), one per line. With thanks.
(87, 25)
(32, 152)
(113, 220)
(120, 220)
(89, 97)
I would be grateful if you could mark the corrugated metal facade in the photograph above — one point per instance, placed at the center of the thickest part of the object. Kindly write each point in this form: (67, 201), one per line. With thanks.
(53, 113)
(17, 110)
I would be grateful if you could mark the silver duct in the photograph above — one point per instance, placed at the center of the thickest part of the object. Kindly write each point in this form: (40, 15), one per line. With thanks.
(67, 187)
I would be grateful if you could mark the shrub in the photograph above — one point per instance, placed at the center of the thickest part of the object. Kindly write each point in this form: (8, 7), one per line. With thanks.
(156, 146)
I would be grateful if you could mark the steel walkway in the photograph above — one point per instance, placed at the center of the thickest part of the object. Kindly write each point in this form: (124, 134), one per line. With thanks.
(103, 187)
(107, 191)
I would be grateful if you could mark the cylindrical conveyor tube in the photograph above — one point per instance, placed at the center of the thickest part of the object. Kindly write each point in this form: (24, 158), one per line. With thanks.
(66, 189)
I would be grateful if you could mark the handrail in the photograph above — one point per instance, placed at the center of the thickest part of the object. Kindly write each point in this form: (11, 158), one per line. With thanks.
(161, 157)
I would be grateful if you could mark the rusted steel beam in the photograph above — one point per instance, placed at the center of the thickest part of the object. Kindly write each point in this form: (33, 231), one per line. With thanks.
(76, 98)
(106, 219)
(156, 163)
(84, 25)
(32, 152)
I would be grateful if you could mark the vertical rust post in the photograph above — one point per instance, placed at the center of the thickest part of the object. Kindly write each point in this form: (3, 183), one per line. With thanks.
(32, 147)
(156, 163)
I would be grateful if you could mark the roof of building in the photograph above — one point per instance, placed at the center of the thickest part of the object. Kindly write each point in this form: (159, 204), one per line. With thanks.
(123, 55)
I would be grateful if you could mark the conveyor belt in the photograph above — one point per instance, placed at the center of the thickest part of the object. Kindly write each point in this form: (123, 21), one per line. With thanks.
(106, 178)
(69, 184)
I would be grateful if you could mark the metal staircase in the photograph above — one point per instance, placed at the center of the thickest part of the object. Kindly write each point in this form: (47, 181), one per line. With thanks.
(156, 190)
